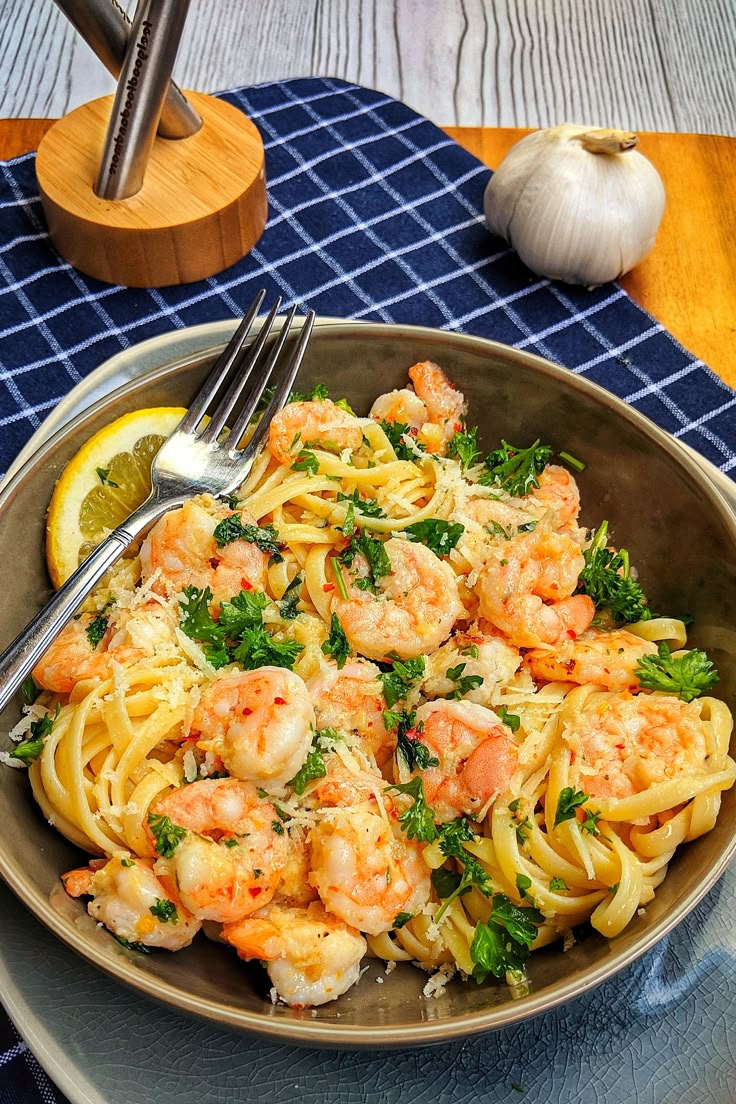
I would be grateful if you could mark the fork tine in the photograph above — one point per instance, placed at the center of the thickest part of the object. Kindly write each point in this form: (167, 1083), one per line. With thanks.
(280, 396)
(245, 363)
(224, 363)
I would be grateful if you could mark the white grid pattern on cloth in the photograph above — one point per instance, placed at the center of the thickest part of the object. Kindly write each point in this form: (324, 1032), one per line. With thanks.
(375, 213)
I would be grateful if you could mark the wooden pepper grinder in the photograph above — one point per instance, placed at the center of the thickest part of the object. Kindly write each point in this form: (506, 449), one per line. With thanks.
(128, 206)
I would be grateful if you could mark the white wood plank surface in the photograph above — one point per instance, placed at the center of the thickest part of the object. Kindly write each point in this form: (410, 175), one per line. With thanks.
(639, 64)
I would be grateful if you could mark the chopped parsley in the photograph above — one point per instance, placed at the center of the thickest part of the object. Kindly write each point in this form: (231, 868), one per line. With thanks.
(415, 754)
(688, 676)
(463, 683)
(239, 635)
(452, 837)
(590, 824)
(401, 919)
(167, 835)
(97, 628)
(567, 803)
(130, 946)
(306, 461)
(492, 951)
(367, 506)
(523, 830)
(556, 884)
(438, 535)
(399, 677)
(606, 579)
(104, 475)
(511, 720)
(464, 446)
(264, 537)
(374, 551)
(416, 821)
(336, 644)
(396, 432)
(288, 606)
(165, 911)
(314, 764)
(30, 749)
(29, 690)
(516, 470)
(523, 884)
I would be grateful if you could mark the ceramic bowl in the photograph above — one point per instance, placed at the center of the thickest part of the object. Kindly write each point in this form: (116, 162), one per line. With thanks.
(663, 504)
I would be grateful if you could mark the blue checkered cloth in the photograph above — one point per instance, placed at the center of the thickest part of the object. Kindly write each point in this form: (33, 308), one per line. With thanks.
(374, 213)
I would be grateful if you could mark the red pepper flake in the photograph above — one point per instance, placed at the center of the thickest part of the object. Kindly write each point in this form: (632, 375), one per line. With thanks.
(413, 431)
(327, 587)
(457, 427)
(255, 891)
(246, 711)
(279, 701)
(246, 585)
(571, 633)
(620, 746)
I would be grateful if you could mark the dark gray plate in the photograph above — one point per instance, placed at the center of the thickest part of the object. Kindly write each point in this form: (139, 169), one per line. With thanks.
(661, 505)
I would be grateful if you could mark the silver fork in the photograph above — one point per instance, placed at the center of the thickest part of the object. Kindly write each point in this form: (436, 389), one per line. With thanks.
(188, 463)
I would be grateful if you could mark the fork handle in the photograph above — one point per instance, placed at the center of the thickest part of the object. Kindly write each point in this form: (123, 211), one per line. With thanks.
(20, 657)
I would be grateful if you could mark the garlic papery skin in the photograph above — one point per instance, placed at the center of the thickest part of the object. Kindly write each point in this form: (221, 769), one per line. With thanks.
(578, 204)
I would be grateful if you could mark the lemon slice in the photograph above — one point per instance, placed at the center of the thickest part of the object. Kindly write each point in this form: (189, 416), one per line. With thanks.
(102, 484)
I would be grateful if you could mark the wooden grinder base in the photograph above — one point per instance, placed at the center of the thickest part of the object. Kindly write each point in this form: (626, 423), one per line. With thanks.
(201, 208)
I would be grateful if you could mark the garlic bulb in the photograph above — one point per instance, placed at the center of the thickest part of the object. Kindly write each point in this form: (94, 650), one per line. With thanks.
(577, 204)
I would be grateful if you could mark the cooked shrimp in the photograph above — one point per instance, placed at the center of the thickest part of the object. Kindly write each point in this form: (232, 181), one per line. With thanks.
(476, 757)
(402, 406)
(182, 548)
(488, 657)
(624, 743)
(365, 870)
(446, 405)
(260, 723)
(526, 589)
(347, 788)
(559, 492)
(302, 424)
(227, 861)
(497, 518)
(131, 635)
(350, 699)
(605, 658)
(131, 902)
(412, 612)
(311, 957)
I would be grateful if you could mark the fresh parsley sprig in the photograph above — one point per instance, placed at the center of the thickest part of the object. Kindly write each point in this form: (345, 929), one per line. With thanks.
(30, 749)
(167, 835)
(607, 580)
(396, 432)
(463, 445)
(374, 551)
(264, 537)
(504, 943)
(337, 644)
(415, 754)
(417, 821)
(438, 535)
(239, 635)
(399, 677)
(688, 676)
(463, 683)
(516, 470)
(314, 766)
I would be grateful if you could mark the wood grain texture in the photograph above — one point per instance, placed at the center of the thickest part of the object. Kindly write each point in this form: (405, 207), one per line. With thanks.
(635, 64)
(185, 223)
(688, 282)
